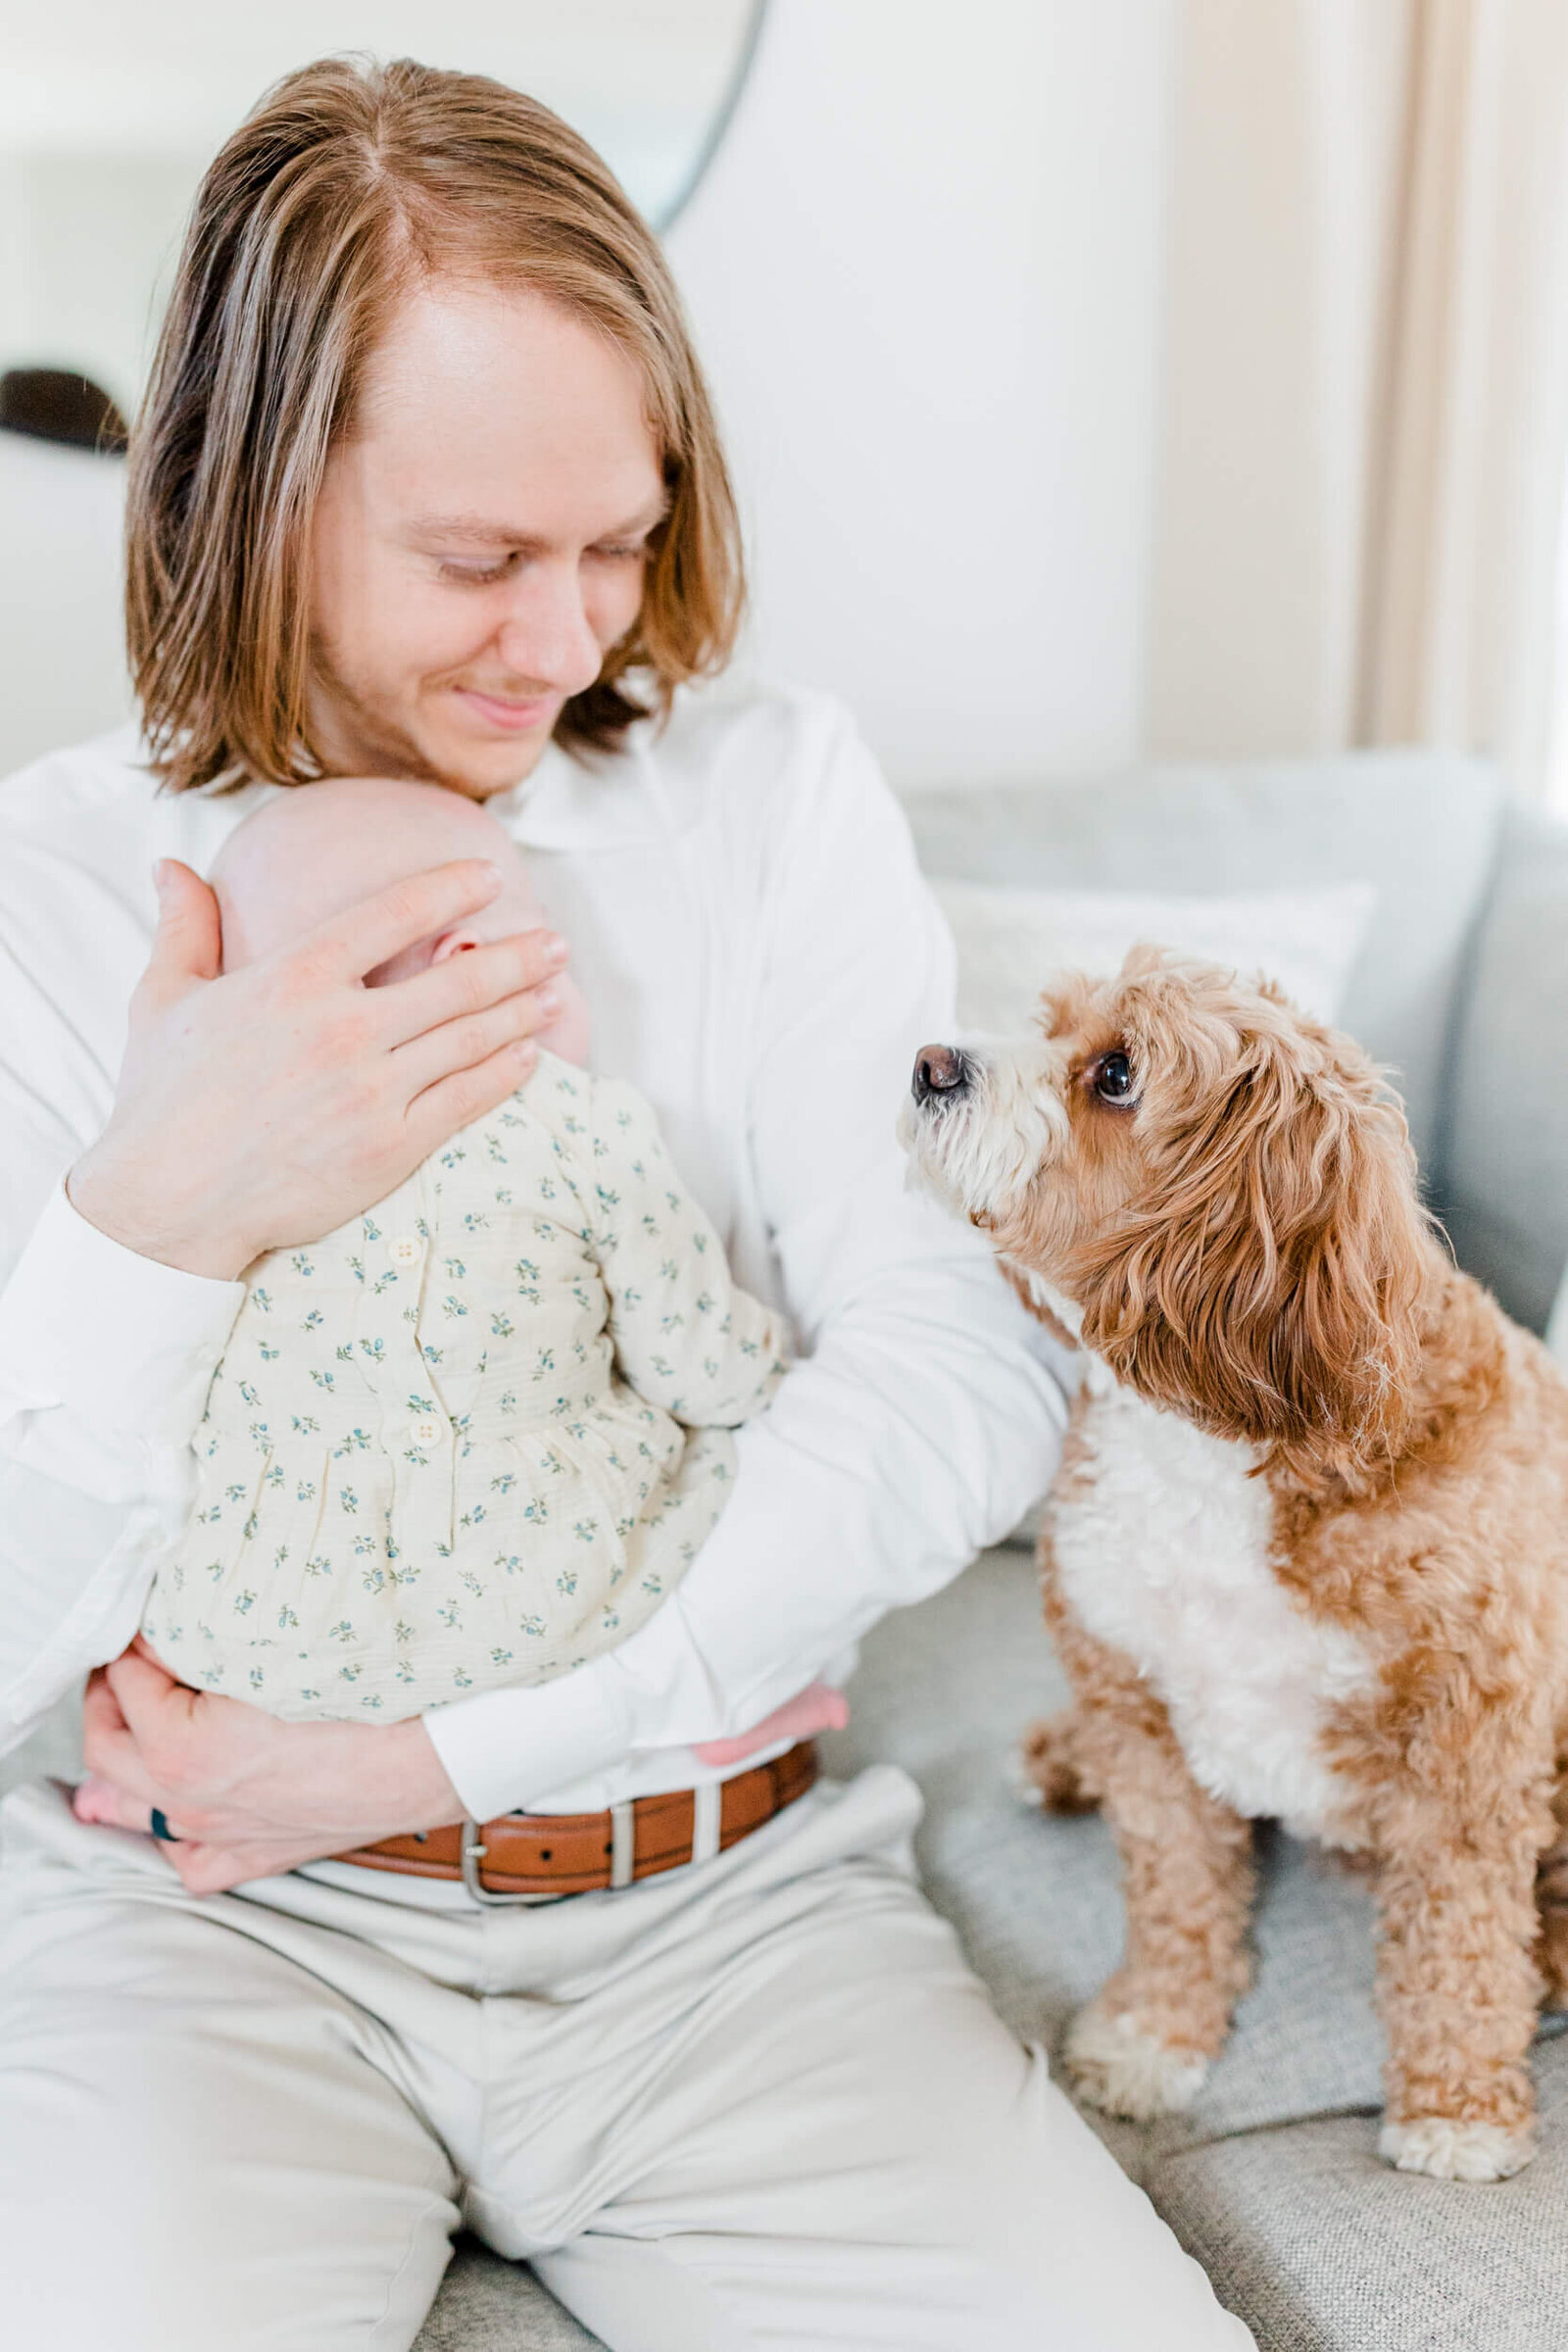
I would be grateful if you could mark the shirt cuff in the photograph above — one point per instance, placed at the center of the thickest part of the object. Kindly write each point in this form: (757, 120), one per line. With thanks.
(503, 1748)
(124, 1343)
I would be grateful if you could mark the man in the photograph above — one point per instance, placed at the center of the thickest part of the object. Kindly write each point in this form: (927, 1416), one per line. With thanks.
(427, 484)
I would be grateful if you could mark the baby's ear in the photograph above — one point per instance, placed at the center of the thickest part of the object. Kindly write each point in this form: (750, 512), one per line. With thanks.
(452, 943)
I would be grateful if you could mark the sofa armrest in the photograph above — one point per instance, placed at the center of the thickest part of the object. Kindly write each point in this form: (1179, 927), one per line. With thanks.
(1504, 1183)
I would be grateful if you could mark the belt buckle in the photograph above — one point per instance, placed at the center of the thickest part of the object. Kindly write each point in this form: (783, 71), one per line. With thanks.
(471, 1853)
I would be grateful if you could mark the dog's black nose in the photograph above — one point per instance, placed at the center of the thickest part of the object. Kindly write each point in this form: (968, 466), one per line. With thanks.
(938, 1070)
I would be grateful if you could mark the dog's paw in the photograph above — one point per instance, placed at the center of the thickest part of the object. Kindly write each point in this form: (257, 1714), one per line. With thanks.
(1450, 2151)
(1117, 2066)
(1042, 1770)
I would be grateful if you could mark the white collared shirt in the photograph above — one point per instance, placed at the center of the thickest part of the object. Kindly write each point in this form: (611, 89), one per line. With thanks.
(761, 955)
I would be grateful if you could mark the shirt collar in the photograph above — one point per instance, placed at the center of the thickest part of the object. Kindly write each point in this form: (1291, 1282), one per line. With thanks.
(603, 802)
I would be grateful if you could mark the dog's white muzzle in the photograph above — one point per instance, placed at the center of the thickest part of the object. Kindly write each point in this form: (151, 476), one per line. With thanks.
(982, 1119)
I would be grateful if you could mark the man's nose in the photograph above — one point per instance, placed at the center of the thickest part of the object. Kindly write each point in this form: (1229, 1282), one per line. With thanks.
(939, 1070)
(549, 637)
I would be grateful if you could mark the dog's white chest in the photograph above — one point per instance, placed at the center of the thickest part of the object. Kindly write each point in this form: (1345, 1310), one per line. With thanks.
(1163, 1548)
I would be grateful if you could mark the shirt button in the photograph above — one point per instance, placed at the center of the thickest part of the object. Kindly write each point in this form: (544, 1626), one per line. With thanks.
(429, 1432)
(405, 1250)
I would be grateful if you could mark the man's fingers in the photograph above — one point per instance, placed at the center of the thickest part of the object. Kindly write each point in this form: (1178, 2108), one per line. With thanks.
(157, 1710)
(187, 945)
(463, 1044)
(99, 1801)
(98, 1701)
(353, 942)
(144, 1687)
(95, 1799)
(112, 1756)
(211, 1869)
(473, 982)
(452, 1103)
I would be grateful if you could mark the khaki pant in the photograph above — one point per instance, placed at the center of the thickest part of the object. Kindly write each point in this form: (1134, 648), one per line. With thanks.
(759, 2103)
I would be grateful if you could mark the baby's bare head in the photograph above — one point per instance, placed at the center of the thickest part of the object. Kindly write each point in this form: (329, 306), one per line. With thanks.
(314, 850)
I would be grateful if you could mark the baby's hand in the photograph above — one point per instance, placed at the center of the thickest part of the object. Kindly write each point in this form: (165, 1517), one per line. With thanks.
(817, 1708)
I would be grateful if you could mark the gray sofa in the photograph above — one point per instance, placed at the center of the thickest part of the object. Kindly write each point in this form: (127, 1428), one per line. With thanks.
(1272, 2181)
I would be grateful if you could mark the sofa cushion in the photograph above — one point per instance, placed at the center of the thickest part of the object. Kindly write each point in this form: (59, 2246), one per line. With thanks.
(1504, 1194)
(1322, 2248)
(488, 2305)
(1422, 826)
(1310, 940)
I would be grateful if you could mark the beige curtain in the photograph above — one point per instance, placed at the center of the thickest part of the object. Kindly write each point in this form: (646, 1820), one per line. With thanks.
(1361, 487)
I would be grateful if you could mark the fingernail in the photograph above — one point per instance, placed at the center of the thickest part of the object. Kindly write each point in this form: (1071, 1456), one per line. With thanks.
(159, 874)
(547, 999)
(555, 952)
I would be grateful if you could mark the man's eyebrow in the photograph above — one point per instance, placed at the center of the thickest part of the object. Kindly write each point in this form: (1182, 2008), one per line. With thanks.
(485, 531)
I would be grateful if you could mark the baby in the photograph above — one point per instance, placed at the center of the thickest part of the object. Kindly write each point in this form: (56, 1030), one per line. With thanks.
(476, 1435)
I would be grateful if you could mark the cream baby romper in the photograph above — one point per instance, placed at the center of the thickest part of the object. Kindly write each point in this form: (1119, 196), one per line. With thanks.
(476, 1435)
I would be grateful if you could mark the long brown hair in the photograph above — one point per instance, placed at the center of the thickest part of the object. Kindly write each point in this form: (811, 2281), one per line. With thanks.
(349, 181)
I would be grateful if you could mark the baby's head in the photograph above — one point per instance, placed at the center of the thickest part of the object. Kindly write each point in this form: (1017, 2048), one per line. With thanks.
(317, 849)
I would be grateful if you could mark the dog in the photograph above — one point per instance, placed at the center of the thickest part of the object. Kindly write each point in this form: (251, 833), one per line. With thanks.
(1307, 1554)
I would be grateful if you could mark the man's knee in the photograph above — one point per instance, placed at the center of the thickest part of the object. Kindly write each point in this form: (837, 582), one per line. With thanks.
(1066, 2235)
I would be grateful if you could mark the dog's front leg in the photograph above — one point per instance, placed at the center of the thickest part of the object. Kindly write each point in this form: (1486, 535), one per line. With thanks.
(1144, 2044)
(1458, 1988)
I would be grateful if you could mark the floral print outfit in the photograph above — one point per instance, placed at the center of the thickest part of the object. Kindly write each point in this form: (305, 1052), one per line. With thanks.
(474, 1437)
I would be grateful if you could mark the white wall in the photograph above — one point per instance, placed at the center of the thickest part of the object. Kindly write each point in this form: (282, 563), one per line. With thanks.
(87, 246)
(62, 658)
(924, 273)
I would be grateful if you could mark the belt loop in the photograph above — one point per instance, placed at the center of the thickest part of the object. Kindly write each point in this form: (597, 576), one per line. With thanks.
(708, 1812)
(623, 1845)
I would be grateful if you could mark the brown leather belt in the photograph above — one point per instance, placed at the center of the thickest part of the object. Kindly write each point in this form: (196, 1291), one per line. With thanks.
(535, 1854)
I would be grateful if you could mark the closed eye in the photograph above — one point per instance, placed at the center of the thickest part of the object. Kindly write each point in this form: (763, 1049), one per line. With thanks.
(485, 575)
(481, 576)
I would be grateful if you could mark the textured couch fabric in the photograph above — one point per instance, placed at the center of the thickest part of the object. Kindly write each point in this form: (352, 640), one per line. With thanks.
(1324, 2249)
(487, 2305)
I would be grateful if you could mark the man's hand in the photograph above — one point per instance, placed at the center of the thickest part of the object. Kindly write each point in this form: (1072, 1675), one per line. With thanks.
(267, 1105)
(247, 1796)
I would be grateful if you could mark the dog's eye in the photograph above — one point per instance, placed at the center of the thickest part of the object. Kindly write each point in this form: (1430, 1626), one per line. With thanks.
(1112, 1078)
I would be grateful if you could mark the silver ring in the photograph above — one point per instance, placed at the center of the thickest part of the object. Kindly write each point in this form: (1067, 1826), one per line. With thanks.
(161, 1829)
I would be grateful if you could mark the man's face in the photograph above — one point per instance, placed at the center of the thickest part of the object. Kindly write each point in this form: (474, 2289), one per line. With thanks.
(481, 539)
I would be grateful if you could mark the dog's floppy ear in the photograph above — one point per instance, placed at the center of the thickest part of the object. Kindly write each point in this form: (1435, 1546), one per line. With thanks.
(1273, 1294)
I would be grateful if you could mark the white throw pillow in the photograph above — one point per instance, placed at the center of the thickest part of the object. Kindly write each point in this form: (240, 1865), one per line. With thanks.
(1010, 942)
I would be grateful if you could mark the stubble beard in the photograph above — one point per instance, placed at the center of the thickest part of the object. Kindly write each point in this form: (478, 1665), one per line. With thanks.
(354, 730)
